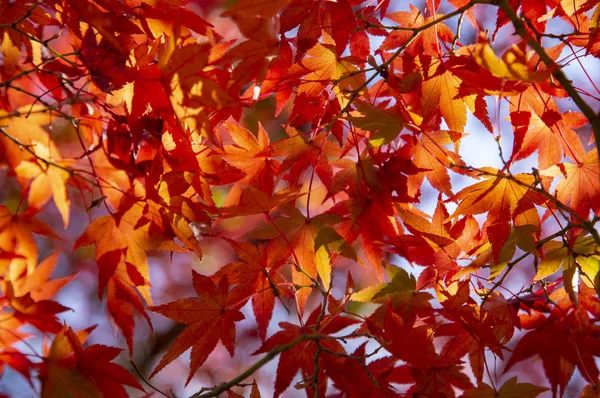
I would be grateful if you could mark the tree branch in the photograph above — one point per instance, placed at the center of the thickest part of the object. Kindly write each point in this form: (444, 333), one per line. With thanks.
(214, 392)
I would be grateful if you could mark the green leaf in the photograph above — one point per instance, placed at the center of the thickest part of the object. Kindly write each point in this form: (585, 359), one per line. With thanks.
(386, 125)
(400, 282)
(555, 255)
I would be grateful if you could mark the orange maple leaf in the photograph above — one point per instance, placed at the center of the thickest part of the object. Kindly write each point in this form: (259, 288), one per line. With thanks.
(121, 242)
(48, 180)
(429, 153)
(16, 236)
(299, 243)
(324, 66)
(540, 126)
(580, 187)
(253, 156)
(499, 195)
(427, 41)
(440, 89)
(38, 282)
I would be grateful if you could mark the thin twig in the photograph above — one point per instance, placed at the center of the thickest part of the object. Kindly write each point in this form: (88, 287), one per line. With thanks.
(214, 392)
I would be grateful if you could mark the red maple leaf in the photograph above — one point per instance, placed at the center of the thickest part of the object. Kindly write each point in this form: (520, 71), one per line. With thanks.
(301, 355)
(216, 310)
(71, 370)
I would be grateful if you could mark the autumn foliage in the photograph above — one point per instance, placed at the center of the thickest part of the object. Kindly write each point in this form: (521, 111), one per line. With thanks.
(297, 185)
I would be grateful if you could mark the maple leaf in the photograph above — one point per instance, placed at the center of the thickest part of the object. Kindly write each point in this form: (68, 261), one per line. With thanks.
(301, 356)
(552, 138)
(40, 313)
(302, 152)
(121, 242)
(427, 41)
(385, 124)
(512, 66)
(16, 236)
(371, 218)
(324, 66)
(214, 310)
(475, 329)
(580, 187)
(511, 388)
(401, 291)
(540, 125)
(38, 282)
(299, 243)
(126, 236)
(429, 153)
(440, 89)
(42, 163)
(564, 340)
(253, 155)
(258, 279)
(350, 377)
(48, 181)
(421, 352)
(500, 196)
(71, 370)
(265, 8)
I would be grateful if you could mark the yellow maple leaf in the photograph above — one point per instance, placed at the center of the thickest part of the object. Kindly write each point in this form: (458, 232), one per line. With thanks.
(512, 66)
(49, 178)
